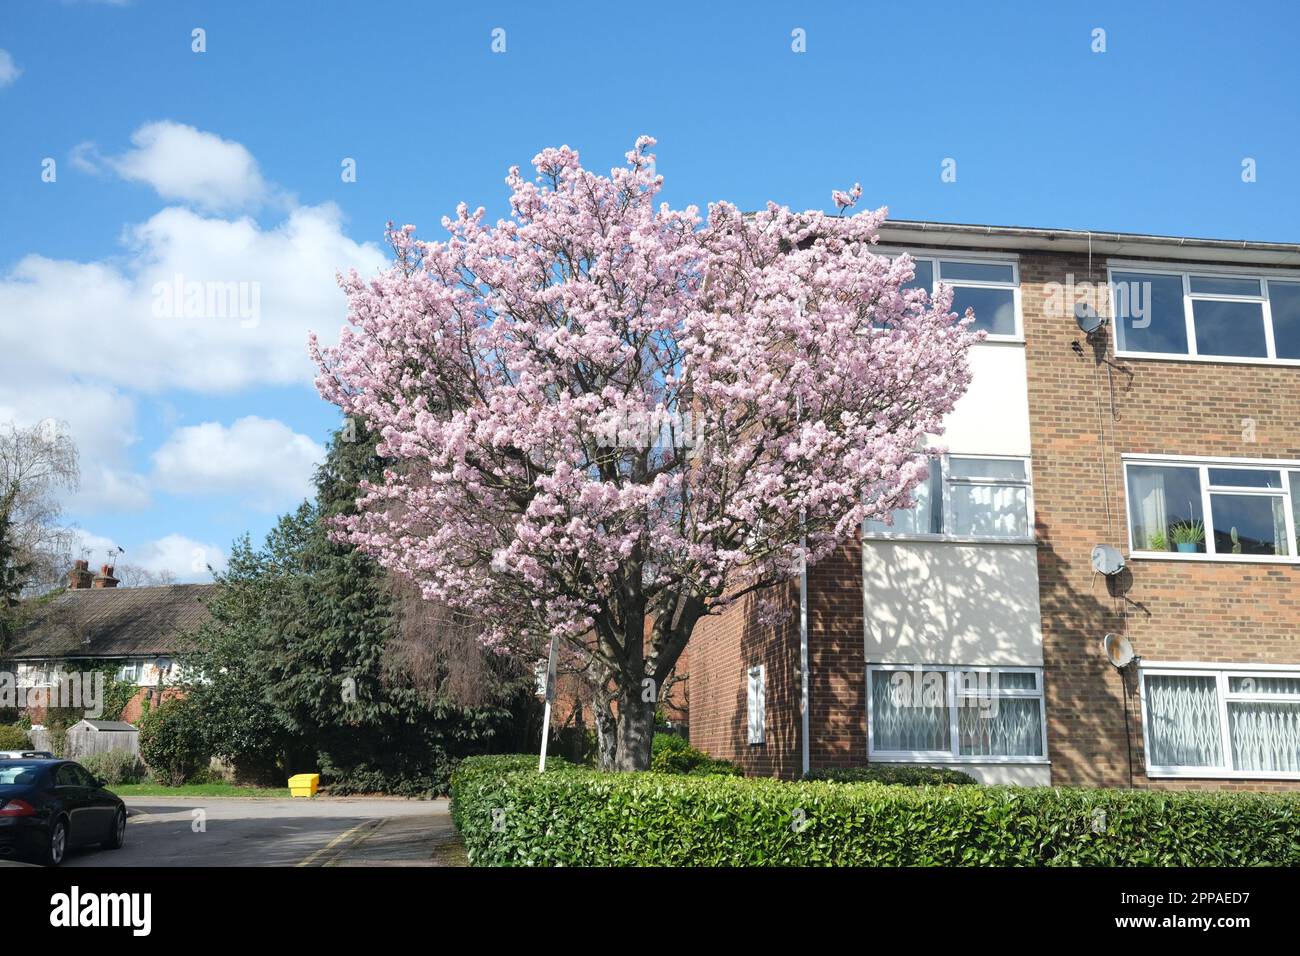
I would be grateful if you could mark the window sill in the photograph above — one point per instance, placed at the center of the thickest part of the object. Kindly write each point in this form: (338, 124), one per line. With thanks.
(1213, 558)
(944, 539)
(1208, 359)
(1176, 773)
(950, 759)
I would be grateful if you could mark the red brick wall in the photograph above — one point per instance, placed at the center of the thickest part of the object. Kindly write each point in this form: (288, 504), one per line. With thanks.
(1170, 610)
(838, 671)
(722, 649)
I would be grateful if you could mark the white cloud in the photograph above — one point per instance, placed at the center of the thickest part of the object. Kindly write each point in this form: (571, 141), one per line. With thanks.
(9, 70)
(119, 322)
(100, 419)
(187, 164)
(183, 558)
(262, 460)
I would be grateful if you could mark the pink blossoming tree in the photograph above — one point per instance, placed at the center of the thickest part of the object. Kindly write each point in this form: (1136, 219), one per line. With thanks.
(611, 418)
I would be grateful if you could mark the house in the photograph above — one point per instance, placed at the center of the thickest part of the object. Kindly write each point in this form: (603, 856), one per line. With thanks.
(1139, 392)
(94, 622)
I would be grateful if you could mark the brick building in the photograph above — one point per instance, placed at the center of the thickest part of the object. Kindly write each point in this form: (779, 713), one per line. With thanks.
(968, 633)
(94, 623)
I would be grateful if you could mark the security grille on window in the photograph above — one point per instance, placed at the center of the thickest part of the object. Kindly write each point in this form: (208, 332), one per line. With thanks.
(966, 497)
(953, 713)
(757, 700)
(1221, 723)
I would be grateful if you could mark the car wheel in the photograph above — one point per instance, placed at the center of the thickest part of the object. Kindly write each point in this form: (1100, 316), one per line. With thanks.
(115, 841)
(58, 843)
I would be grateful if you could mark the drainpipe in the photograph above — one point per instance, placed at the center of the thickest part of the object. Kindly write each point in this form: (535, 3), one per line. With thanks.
(803, 648)
(803, 623)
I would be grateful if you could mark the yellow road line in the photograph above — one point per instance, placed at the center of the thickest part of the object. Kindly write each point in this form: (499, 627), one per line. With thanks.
(312, 858)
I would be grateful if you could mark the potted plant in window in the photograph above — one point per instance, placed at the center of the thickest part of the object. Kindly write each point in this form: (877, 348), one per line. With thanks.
(1157, 541)
(1187, 536)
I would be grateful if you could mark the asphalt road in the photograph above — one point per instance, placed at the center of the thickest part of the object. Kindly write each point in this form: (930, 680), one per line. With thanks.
(173, 831)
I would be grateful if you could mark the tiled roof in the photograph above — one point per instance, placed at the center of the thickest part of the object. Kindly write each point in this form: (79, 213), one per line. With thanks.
(113, 622)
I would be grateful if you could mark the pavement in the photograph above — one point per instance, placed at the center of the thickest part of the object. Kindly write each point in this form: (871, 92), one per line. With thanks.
(322, 831)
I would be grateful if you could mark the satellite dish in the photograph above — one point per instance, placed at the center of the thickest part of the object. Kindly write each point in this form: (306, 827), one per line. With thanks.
(1118, 650)
(1107, 560)
(1086, 317)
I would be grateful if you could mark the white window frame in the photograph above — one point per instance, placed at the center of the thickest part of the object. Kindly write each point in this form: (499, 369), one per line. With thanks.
(944, 463)
(952, 755)
(1221, 673)
(980, 258)
(1203, 465)
(1208, 272)
(129, 671)
(756, 704)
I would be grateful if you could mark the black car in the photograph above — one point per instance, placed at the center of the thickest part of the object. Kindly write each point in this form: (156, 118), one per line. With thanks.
(49, 806)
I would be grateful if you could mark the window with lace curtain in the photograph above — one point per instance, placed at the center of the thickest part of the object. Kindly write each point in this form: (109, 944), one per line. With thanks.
(951, 713)
(1208, 722)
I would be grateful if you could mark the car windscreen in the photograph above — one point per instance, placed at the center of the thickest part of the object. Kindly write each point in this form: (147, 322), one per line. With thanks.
(15, 773)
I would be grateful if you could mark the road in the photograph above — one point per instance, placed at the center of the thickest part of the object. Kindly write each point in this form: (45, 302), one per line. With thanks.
(174, 831)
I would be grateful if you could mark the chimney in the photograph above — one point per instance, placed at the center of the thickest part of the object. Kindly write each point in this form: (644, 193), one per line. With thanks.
(105, 579)
(79, 577)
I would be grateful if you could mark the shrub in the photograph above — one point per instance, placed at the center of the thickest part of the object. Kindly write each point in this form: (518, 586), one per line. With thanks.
(896, 774)
(671, 754)
(172, 741)
(115, 767)
(480, 781)
(584, 818)
(13, 737)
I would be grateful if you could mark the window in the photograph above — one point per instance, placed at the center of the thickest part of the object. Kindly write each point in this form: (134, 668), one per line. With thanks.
(950, 713)
(756, 698)
(1207, 721)
(1226, 509)
(1196, 314)
(966, 497)
(130, 672)
(989, 286)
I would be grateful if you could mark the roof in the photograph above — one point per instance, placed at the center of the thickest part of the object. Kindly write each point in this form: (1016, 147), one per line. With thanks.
(113, 622)
(111, 725)
(969, 235)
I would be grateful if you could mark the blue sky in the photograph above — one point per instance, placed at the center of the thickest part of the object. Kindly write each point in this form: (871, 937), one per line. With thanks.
(225, 166)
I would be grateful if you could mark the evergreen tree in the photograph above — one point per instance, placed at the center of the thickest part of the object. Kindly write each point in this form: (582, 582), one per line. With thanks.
(295, 658)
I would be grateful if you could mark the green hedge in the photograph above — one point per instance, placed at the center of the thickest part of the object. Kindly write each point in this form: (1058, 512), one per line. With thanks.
(672, 754)
(13, 737)
(510, 815)
(898, 774)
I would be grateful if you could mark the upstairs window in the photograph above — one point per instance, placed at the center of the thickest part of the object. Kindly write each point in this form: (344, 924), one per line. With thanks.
(989, 286)
(1228, 509)
(966, 497)
(1204, 314)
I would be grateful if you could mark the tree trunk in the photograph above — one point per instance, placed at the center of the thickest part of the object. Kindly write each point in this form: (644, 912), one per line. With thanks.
(606, 729)
(636, 727)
